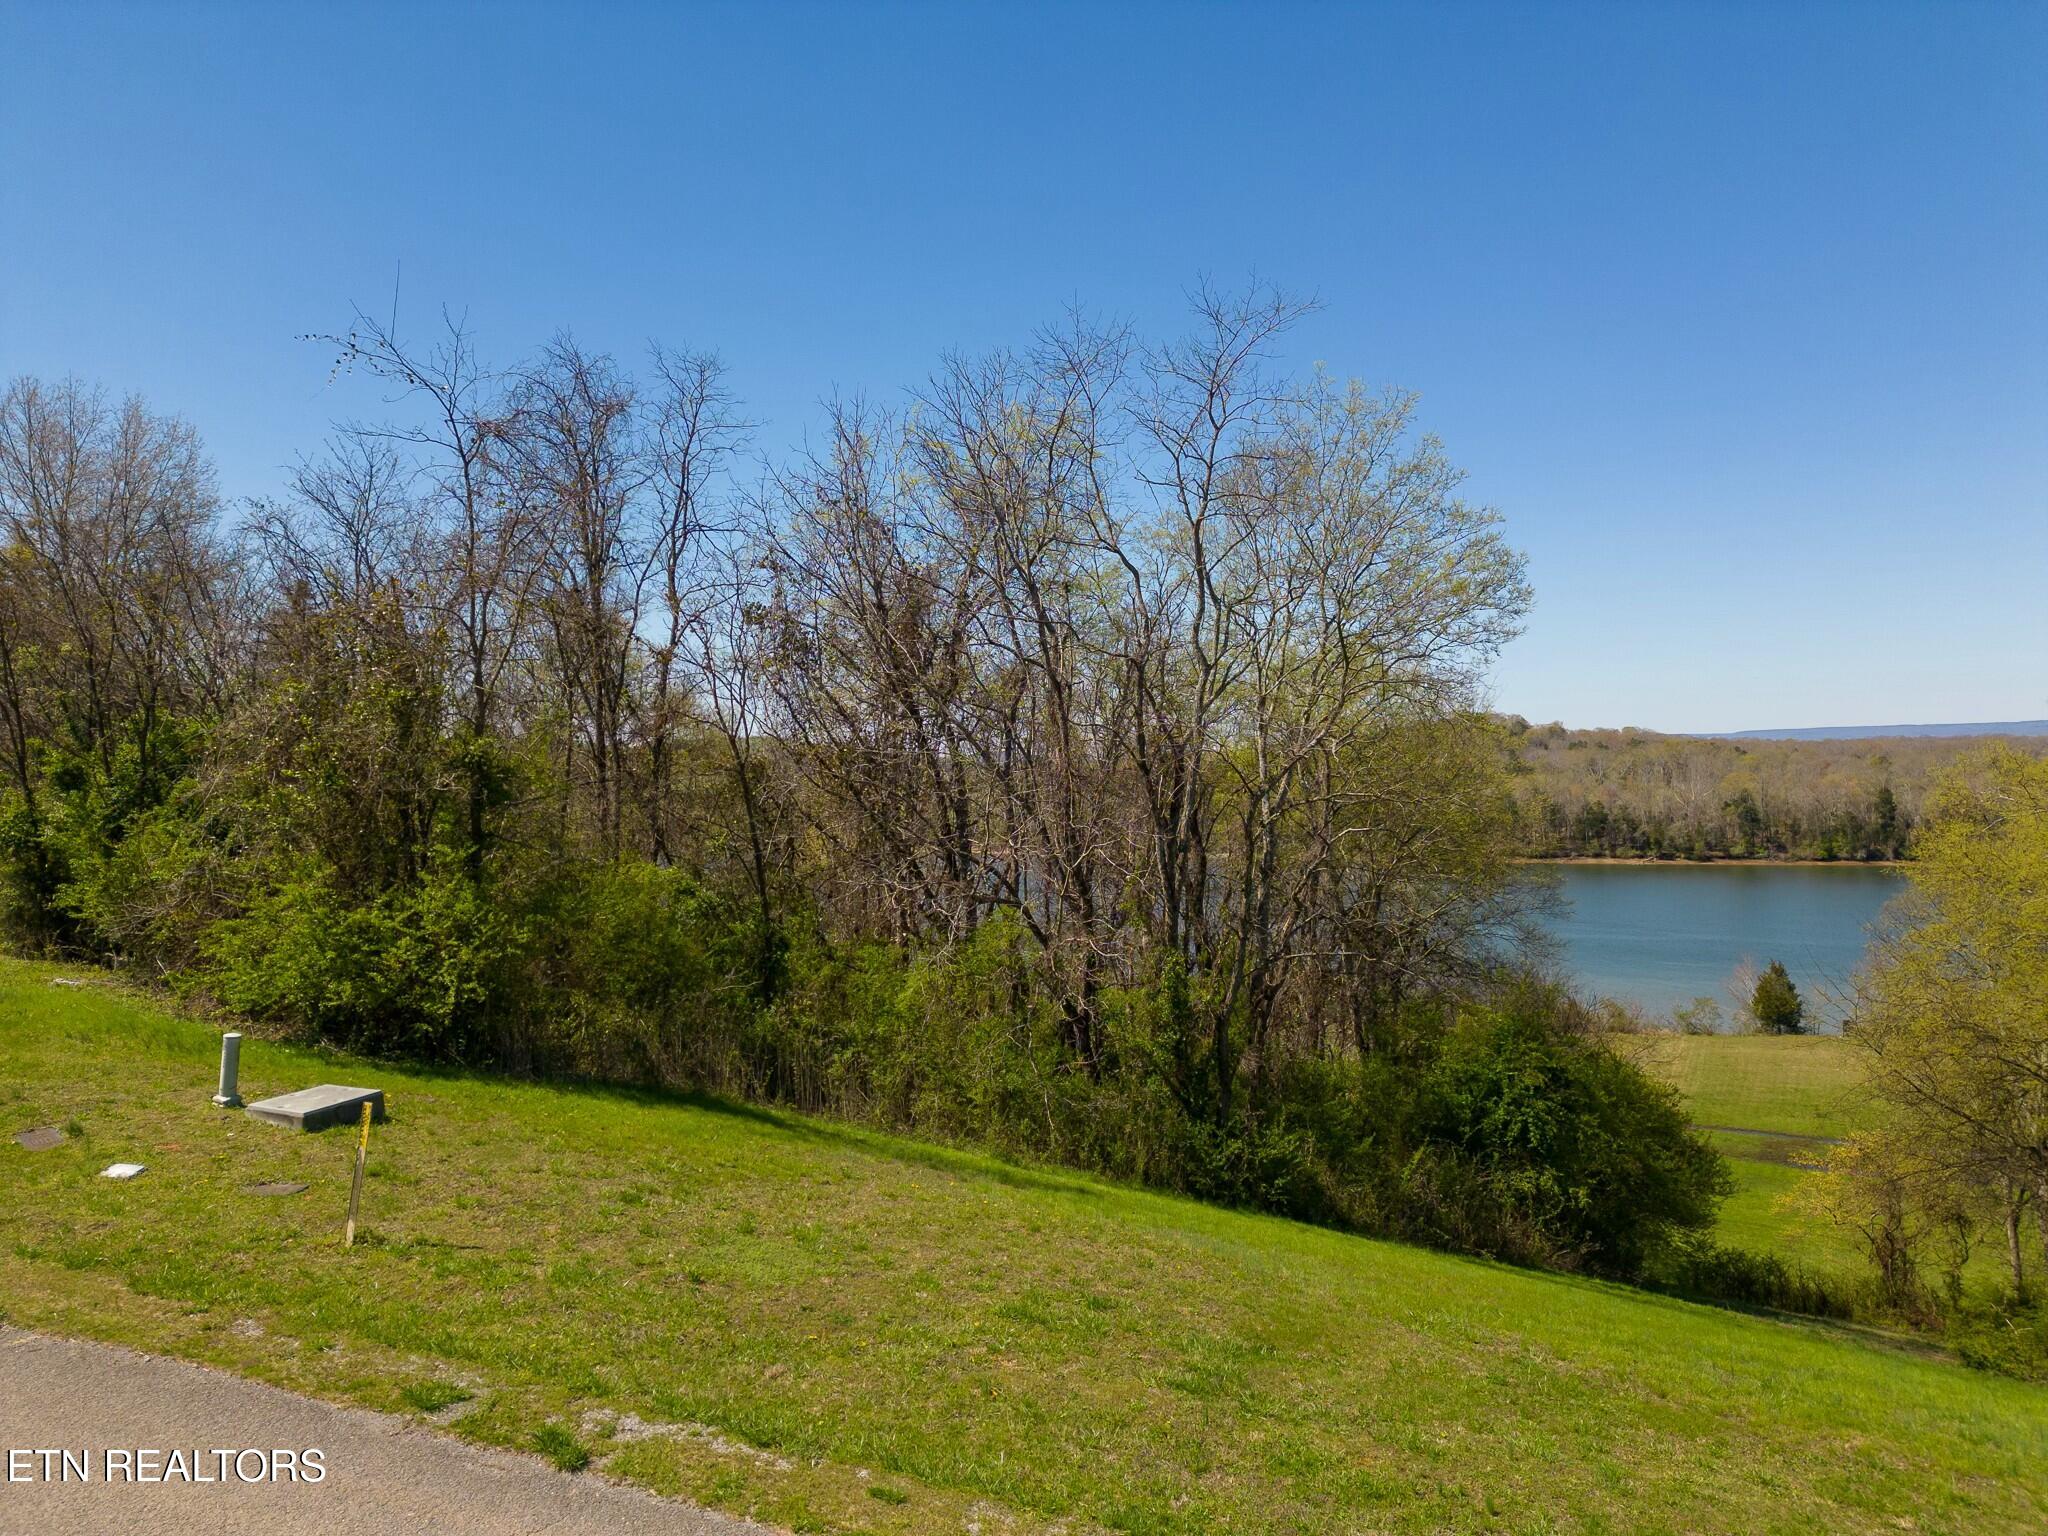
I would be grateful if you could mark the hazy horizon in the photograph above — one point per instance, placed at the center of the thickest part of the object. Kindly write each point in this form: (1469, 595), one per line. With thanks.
(1942, 729)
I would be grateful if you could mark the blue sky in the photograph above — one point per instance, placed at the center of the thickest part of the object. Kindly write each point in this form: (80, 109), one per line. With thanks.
(1739, 314)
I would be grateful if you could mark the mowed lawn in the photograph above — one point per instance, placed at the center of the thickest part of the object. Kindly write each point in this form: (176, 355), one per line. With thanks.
(1804, 1085)
(1760, 1216)
(1796, 1086)
(836, 1331)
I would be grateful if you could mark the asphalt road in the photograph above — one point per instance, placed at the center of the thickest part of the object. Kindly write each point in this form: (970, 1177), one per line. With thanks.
(382, 1474)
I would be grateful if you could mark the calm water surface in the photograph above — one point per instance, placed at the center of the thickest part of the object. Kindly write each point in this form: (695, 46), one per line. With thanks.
(1662, 934)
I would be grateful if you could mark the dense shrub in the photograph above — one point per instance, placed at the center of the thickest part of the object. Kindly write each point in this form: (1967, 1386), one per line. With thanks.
(1695, 1265)
(1574, 1148)
(432, 969)
(1504, 1128)
(638, 973)
(2011, 1339)
(32, 872)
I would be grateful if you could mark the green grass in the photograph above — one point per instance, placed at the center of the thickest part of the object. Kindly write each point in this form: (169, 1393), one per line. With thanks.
(836, 1331)
(432, 1396)
(559, 1444)
(1801, 1084)
(1758, 1217)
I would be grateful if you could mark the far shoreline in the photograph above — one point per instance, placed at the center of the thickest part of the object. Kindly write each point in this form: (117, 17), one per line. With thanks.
(1649, 861)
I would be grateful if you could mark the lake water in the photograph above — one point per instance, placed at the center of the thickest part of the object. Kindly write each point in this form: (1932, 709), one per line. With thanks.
(1662, 934)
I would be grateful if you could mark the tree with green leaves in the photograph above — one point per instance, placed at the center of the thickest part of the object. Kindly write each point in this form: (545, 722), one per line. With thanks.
(1748, 817)
(1776, 1004)
(1701, 1016)
(1954, 1010)
(1887, 833)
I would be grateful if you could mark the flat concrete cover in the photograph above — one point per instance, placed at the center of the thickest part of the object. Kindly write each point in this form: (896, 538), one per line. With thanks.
(41, 1138)
(277, 1187)
(314, 1109)
(124, 1170)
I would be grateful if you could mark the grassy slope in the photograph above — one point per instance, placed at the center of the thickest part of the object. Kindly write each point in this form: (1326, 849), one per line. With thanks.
(861, 1333)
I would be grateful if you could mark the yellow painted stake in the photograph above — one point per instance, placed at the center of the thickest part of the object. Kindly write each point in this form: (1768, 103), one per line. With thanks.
(355, 1190)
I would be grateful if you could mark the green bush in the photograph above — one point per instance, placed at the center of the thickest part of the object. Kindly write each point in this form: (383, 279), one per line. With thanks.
(644, 974)
(1506, 1129)
(2009, 1339)
(1694, 1265)
(431, 969)
(1586, 1159)
(151, 897)
(32, 873)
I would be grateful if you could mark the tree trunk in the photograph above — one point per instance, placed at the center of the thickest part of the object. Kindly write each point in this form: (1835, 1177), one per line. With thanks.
(767, 958)
(2041, 1216)
(2015, 1255)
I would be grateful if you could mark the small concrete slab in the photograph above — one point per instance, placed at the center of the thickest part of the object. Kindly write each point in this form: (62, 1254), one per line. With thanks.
(277, 1187)
(314, 1109)
(40, 1138)
(124, 1170)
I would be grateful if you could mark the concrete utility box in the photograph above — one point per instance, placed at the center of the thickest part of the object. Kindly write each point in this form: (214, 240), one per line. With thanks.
(314, 1109)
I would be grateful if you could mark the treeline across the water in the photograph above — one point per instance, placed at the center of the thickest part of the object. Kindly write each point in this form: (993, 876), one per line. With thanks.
(1082, 762)
(1638, 794)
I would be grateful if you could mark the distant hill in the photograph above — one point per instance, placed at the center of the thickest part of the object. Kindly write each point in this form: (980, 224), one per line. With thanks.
(1863, 732)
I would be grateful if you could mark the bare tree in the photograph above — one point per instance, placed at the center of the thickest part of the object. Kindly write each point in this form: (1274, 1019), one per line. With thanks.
(109, 519)
(724, 653)
(693, 434)
(576, 454)
(1114, 641)
(354, 666)
(488, 574)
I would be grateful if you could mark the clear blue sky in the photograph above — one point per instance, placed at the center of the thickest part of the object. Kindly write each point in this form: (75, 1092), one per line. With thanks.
(1738, 313)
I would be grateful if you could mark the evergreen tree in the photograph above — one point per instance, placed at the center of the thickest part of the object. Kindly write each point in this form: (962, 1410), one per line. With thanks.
(1748, 817)
(1776, 1004)
(1885, 813)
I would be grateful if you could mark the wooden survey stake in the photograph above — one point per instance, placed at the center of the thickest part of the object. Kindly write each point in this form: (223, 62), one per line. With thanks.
(355, 1190)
